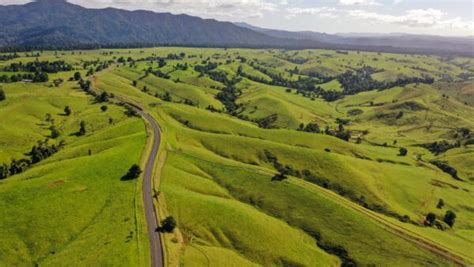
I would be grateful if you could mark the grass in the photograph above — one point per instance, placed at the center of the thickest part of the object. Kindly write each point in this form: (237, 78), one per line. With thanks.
(71, 208)
(215, 179)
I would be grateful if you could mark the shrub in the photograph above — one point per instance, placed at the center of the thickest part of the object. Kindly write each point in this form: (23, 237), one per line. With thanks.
(168, 224)
(450, 218)
(2, 95)
(82, 129)
(430, 219)
(440, 204)
(67, 111)
(403, 151)
(133, 173)
(77, 76)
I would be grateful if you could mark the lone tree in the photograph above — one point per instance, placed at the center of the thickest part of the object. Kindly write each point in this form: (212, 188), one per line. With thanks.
(67, 111)
(168, 224)
(133, 173)
(103, 108)
(430, 219)
(77, 76)
(403, 151)
(2, 95)
(450, 218)
(440, 204)
(54, 132)
(82, 129)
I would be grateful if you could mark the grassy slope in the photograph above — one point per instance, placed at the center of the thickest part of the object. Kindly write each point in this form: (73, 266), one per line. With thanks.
(218, 160)
(71, 208)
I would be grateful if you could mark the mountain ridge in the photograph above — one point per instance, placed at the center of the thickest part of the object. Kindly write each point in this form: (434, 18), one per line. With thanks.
(58, 24)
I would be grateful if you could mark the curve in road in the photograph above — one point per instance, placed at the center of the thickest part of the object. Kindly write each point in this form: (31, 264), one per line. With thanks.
(156, 249)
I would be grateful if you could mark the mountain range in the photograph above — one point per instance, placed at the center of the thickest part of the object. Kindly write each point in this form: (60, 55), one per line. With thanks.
(57, 24)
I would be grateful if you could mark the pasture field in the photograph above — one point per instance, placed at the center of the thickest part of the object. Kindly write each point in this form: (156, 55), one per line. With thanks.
(234, 122)
(71, 208)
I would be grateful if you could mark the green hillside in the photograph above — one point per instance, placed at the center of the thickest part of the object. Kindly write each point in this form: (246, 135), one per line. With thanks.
(268, 157)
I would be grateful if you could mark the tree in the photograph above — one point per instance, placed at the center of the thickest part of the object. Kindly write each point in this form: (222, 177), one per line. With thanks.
(77, 76)
(133, 173)
(104, 108)
(440, 204)
(54, 132)
(430, 219)
(2, 95)
(134, 83)
(312, 128)
(82, 129)
(450, 218)
(103, 97)
(168, 224)
(403, 151)
(67, 111)
(40, 77)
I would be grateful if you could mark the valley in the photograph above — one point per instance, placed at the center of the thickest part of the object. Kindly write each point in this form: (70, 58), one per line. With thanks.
(268, 157)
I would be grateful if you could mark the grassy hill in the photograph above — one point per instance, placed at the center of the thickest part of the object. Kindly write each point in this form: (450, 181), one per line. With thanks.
(233, 123)
(71, 208)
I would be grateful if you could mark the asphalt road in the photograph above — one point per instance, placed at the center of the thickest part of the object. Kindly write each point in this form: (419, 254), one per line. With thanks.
(156, 250)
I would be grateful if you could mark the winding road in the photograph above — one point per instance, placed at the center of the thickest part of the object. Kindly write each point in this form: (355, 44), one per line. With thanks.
(156, 249)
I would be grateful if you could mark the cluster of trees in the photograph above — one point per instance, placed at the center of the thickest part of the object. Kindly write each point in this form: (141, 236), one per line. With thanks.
(361, 80)
(84, 85)
(36, 77)
(446, 168)
(39, 66)
(206, 68)
(340, 132)
(310, 128)
(267, 122)
(9, 56)
(440, 147)
(283, 171)
(180, 66)
(161, 62)
(173, 56)
(351, 82)
(305, 84)
(37, 153)
(95, 66)
(228, 96)
(449, 218)
(158, 73)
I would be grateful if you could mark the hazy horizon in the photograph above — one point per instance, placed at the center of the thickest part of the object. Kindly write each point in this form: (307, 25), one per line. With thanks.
(442, 18)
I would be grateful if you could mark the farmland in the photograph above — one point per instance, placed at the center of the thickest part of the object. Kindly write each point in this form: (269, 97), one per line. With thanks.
(267, 157)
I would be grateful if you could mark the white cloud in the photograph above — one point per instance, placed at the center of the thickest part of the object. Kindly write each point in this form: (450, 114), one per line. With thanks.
(222, 9)
(358, 2)
(416, 18)
(324, 12)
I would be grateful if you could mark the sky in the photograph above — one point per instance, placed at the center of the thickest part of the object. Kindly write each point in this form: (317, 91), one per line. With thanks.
(436, 17)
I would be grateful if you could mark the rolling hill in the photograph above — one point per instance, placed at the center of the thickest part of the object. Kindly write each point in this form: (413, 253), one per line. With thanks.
(248, 182)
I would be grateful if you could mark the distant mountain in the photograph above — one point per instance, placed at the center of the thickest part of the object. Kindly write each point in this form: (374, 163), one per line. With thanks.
(300, 35)
(395, 41)
(52, 24)
(56, 23)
